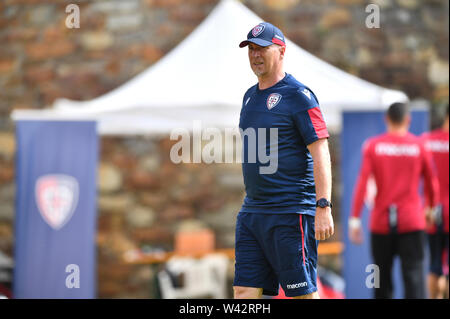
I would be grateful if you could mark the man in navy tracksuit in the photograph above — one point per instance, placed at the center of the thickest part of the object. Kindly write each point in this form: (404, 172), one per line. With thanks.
(286, 210)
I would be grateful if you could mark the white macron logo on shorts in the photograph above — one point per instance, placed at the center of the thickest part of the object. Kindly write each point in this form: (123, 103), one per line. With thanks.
(297, 285)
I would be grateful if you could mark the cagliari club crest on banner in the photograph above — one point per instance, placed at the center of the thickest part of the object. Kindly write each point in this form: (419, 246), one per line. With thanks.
(56, 199)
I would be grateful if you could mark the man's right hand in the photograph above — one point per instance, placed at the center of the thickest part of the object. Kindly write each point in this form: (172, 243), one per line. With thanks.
(355, 232)
(429, 217)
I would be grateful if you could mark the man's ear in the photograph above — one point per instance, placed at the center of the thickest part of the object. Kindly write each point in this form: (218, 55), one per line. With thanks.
(282, 51)
(408, 119)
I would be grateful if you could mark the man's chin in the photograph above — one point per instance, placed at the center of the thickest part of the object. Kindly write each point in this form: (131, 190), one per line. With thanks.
(259, 73)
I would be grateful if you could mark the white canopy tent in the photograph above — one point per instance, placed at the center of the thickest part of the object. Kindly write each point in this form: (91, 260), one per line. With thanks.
(204, 79)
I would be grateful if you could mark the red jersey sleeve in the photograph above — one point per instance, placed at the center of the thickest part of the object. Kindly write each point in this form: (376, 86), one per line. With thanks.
(364, 174)
(431, 182)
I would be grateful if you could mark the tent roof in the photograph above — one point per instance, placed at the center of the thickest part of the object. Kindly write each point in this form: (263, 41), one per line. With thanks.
(205, 77)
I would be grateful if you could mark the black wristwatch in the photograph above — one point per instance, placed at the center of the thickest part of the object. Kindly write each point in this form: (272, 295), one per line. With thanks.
(323, 202)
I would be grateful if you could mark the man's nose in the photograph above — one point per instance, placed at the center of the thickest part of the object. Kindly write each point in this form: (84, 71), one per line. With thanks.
(255, 53)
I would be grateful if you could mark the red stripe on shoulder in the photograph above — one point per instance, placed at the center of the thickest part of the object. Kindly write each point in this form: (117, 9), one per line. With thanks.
(318, 122)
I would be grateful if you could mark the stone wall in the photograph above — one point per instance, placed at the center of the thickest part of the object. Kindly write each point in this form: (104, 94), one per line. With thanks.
(143, 197)
(41, 59)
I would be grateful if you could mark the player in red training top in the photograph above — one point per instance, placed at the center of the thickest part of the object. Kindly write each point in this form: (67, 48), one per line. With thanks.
(437, 142)
(397, 160)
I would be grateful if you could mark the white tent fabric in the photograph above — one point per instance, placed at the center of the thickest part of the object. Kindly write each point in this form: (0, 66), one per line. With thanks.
(204, 79)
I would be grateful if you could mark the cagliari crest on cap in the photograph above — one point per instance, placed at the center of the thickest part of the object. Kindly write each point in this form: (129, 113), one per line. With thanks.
(258, 30)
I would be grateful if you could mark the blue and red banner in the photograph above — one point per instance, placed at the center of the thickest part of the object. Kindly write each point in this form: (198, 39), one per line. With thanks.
(55, 222)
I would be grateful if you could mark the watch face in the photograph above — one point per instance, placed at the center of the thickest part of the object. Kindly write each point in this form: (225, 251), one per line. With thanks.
(323, 203)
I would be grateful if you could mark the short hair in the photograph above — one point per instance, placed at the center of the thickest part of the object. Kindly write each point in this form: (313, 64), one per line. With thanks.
(397, 112)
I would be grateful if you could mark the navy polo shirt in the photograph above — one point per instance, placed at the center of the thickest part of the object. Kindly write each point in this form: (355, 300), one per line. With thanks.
(293, 111)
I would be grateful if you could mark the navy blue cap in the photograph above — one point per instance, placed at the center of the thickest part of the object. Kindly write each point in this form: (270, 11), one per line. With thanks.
(264, 34)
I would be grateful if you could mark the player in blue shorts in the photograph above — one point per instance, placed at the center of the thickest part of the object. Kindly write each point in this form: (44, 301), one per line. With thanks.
(287, 177)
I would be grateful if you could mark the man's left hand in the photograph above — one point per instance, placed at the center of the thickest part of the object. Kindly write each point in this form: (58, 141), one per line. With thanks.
(324, 225)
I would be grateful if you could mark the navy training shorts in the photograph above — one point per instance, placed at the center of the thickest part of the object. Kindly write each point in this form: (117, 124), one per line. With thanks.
(274, 249)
